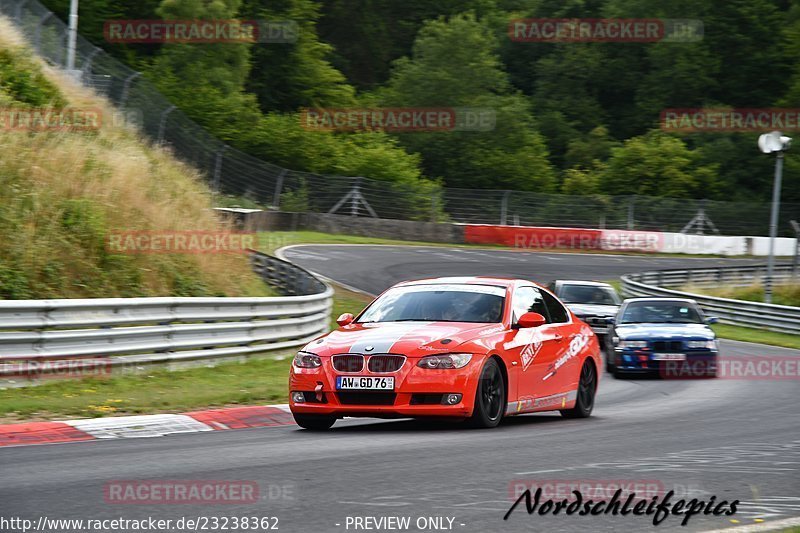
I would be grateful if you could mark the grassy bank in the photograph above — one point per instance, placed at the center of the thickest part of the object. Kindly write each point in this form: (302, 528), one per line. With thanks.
(63, 192)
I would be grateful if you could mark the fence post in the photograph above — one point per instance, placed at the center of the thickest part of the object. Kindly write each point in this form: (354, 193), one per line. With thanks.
(631, 203)
(37, 42)
(162, 123)
(796, 228)
(87, 63)
(18, 14)
(218, 168)
(126, 88)
(504, 208)
(354, 198)
(276, 199)
(63, 62)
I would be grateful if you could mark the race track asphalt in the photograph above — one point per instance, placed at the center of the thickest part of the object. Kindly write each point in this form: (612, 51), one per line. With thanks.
(732, 439)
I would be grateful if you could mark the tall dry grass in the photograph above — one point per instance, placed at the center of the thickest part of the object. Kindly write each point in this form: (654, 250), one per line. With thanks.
(62, 193)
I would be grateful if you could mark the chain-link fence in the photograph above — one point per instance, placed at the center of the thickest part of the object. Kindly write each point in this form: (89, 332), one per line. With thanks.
(231, 171)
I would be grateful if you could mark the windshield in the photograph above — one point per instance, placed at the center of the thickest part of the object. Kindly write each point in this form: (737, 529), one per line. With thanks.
(661, 312)
(438, 303)
(588, 294)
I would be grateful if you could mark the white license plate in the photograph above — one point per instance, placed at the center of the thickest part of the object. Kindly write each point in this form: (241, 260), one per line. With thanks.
(669, 357)
(364, 383)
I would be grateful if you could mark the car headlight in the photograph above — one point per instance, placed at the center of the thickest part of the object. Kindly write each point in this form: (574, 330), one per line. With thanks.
(710, 344)
(307, 360)
(632, 344)
(447, 360)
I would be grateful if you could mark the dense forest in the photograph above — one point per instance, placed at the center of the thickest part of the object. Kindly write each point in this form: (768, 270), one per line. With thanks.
(575, 118)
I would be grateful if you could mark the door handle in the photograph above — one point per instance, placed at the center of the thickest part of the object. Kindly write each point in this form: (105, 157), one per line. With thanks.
(558, 338)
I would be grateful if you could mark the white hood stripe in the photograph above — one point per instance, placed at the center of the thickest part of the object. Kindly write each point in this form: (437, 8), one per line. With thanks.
(382, 338)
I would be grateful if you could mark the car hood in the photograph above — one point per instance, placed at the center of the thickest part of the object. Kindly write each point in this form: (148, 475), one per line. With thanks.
(593, 309)
(651, 331)
(408, 338)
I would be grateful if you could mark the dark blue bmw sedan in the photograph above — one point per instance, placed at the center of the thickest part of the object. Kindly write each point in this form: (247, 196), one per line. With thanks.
(649, 335)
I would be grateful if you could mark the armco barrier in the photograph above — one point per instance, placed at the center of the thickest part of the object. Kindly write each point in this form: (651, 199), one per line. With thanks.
(781, 318)
(138, 331)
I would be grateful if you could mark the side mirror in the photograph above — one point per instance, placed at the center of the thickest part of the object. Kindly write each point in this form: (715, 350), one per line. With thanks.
(531, 320)
(345, 319)
(711, 320)
(611, 320)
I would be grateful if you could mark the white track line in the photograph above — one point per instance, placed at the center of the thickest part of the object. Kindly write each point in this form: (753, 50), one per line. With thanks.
(765, 526)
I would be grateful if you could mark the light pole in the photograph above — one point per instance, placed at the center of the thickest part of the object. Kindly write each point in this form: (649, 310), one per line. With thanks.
(72, 35)
(769, 143)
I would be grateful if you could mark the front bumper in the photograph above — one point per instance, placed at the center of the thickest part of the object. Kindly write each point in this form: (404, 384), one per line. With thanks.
(415, 392)
(645, 361)
(599, 324)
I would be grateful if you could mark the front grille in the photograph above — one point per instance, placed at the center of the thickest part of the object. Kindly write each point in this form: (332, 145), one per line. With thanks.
(348, 362)
(667, 346)
(385, 363)
(366, 398)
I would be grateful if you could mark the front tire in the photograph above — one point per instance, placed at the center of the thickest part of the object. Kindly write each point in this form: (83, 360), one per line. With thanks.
(314, 422)
(490, 397)
(587, 387)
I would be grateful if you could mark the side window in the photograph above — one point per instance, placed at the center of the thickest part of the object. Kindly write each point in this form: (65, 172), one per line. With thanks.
(557, 311)
(528, 299)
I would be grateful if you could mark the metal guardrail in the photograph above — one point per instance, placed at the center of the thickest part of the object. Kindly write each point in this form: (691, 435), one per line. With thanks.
(782, 318)
(137, 331)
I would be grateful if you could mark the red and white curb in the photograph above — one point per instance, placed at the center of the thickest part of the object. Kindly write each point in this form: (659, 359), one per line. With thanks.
(250, 416)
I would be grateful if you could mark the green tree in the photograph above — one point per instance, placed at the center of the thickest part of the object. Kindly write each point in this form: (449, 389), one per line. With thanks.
(207, 81)
(657, 164)
(454, 64)
(287, 76)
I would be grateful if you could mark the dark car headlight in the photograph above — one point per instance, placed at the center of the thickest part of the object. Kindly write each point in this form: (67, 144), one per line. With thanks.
(708, 344)
(446, 360)
(632, 344)
(307, 360)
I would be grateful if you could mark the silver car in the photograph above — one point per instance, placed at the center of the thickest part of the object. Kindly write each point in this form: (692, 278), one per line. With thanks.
(594, 302)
